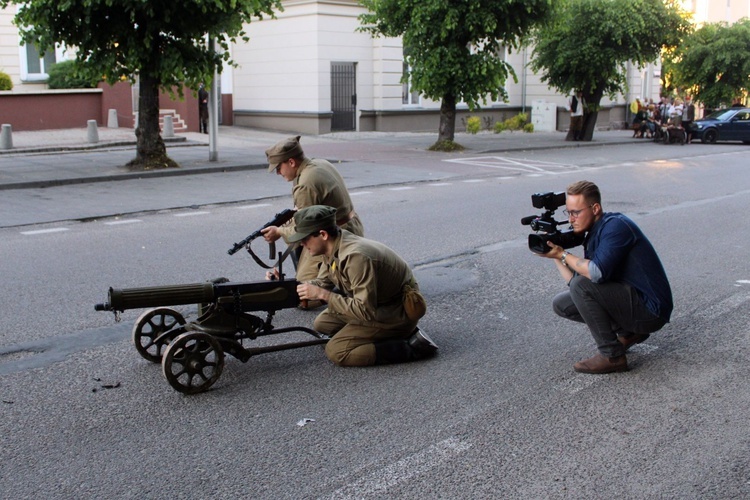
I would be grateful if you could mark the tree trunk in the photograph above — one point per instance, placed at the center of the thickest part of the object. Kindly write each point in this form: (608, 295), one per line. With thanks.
(447, 130)
(593, 98)
(151, 153)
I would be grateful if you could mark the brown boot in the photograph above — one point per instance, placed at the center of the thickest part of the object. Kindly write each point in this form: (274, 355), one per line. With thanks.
(600, 364)
(631, 340)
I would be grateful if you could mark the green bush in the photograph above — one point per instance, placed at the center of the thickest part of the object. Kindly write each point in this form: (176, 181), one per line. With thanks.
(63, 75)
(518, 122)
(473, 124)
(5, 82)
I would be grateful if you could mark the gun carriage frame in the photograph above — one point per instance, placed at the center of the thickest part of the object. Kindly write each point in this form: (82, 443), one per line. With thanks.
(192, 353)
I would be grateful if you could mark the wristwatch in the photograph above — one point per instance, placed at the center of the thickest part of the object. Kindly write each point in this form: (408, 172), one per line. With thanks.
(564, 255)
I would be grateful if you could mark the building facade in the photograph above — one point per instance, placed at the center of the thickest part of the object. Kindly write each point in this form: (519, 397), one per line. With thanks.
(311, 71)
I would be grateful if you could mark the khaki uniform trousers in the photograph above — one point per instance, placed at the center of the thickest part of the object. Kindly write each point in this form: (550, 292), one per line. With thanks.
(353, 345)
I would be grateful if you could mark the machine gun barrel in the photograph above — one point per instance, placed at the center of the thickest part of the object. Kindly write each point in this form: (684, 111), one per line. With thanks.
(156, 296)
(250, 296)
(279, 219)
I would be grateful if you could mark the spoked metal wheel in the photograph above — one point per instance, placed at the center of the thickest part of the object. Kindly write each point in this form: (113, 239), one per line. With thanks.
(192, 362)
(149, 326)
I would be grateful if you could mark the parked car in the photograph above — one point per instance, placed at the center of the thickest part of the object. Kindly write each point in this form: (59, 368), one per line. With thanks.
(732, 124)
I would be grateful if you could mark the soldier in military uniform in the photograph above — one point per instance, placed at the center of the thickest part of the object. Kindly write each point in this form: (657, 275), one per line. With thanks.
(314, 182)
(373, 312)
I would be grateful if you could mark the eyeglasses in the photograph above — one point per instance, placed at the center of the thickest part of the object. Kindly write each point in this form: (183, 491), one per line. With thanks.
(575, 213)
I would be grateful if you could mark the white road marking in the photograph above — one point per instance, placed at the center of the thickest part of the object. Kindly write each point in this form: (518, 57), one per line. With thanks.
(440, 184)
(468, 181)
(379, 481)
(191, 214)
(123, 221)
(45, 231)
(400, 188)
(357, 193)
(724, 307)
(259, 205)
(513, 164)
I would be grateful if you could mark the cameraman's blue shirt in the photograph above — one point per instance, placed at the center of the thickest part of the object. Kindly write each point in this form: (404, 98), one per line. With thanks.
(619, 251)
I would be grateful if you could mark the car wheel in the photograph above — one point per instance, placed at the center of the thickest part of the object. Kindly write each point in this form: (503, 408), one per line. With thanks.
(709, 136)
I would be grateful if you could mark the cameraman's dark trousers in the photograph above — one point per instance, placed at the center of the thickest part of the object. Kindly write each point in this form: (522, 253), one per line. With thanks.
(608, 309)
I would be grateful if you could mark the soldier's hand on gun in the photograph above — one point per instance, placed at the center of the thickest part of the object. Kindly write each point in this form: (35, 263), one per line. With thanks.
(273, 275)
(306, 291)
(271, 233)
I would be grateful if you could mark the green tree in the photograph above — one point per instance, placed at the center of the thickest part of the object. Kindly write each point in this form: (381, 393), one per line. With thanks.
(713, 63)
(452, 47)
(590, 42)
(161, 42)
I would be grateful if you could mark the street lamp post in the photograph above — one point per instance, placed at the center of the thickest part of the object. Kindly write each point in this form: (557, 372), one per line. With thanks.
(213, 115)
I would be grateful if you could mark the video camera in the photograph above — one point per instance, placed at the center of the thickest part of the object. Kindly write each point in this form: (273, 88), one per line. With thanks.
(547, 225)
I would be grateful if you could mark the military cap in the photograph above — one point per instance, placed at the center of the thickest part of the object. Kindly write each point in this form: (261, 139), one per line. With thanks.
(282, 151)
(311, 219)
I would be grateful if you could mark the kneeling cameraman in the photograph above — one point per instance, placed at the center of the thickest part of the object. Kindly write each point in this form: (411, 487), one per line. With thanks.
(619, 288)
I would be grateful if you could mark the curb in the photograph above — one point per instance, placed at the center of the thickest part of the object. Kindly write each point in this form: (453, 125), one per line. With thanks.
(208, 169)
(131, 175)
(86, 147)
(588, 144)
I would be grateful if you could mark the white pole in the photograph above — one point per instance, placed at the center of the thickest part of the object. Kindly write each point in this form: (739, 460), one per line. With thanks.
(213, 113)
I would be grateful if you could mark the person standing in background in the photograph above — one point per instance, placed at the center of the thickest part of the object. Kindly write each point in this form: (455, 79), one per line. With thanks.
(202, 109)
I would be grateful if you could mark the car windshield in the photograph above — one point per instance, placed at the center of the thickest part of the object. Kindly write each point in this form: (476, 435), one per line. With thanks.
(722, 114)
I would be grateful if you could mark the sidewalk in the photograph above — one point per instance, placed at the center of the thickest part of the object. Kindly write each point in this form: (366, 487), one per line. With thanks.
(59, 157)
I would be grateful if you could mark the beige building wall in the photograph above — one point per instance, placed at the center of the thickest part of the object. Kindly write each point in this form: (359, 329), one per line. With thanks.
(286, 64)
(9, 52)
(714, 11)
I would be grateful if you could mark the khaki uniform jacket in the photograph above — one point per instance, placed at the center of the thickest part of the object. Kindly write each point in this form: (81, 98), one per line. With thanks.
(372, 278)
(319, 183)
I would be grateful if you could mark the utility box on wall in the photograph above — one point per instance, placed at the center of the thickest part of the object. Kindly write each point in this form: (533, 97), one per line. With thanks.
(544, 116)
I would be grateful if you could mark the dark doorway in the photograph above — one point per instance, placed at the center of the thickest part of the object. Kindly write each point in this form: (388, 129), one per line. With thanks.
(343, 95)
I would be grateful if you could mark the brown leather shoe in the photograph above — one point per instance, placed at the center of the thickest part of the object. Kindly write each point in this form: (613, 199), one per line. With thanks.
(599, 364)
(630, 341)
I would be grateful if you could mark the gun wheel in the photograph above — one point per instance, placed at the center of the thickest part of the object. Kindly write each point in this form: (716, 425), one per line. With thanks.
(150, 326)
(193, 362)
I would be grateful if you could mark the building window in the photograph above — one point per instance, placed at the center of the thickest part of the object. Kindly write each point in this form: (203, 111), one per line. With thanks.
(409, 96)
(34, 67)
(502, 54)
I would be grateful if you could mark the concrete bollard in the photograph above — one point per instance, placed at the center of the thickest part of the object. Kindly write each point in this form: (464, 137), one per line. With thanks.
(112, 119)
(6, 137)
(92, 131)
(168, 127)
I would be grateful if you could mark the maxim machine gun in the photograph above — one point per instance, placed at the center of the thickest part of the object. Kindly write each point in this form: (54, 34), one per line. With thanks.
(192, 353)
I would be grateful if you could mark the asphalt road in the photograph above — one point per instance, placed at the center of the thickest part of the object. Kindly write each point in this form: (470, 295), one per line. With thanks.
(498, 414)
